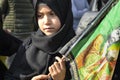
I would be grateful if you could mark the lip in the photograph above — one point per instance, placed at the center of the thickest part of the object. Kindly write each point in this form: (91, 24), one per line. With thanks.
(48, 29)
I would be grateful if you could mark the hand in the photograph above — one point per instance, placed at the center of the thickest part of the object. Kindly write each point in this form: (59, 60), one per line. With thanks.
(41, 77)
(58, 70)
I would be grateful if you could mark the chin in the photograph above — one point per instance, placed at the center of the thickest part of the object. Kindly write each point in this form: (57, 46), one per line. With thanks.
(49, 34)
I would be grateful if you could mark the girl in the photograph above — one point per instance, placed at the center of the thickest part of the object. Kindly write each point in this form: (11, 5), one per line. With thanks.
(36, 56)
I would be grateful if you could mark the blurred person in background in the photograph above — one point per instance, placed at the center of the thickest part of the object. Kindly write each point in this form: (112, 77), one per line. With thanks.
(17, 19)
(79, 7)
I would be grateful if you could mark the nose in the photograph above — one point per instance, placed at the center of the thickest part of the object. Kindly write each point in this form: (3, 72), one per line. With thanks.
(46, 19)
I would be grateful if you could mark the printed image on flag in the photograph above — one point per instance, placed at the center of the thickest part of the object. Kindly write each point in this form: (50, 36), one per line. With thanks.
(94, 56)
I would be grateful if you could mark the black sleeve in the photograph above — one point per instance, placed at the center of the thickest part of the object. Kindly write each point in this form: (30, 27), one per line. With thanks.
(8, 44)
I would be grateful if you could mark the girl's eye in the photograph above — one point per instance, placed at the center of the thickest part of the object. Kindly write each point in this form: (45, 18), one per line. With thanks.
(39, 15)
(52, 13)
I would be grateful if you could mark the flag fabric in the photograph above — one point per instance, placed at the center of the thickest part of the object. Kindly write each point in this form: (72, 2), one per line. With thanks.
(94, 57)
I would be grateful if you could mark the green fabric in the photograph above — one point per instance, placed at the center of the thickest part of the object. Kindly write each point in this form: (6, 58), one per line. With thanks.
(94, 59)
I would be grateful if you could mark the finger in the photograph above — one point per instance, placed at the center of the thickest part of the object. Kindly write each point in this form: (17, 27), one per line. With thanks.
(58, 59)
(49, 74)
(61, 61)
(57, 66)
(41, 77)
(52, 69)
(64, 58)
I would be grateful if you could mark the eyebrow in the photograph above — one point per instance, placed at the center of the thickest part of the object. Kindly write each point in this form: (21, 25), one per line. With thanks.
(48, 12)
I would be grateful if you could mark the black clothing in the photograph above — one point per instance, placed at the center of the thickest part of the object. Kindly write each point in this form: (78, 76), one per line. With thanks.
(0, 15)
(8, 46)
(37, 53)
(3, 69)
(8, 43)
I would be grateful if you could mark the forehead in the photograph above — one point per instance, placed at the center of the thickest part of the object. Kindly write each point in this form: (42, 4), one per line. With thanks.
(43, 7)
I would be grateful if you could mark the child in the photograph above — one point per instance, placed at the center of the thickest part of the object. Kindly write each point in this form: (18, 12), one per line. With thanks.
(37, 54)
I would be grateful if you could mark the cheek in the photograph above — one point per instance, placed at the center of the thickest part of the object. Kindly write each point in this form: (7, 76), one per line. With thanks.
(57, 24)
(40, 24)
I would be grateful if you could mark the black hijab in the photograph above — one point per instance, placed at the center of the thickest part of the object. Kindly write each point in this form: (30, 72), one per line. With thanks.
(51, 44)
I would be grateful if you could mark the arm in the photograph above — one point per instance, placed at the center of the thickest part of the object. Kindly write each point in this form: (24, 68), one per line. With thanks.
(57, 71)
(8, 43)
(40, 77)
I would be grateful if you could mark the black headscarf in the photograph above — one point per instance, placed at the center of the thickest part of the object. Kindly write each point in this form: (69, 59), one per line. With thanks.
(62, 9)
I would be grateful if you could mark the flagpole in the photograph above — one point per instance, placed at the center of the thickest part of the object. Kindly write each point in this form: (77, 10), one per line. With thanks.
(92, 25)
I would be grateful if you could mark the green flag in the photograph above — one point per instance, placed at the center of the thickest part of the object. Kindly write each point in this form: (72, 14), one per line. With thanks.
(95, 55)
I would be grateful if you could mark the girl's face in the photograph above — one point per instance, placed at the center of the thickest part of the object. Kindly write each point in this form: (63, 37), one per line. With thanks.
(48, 21)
